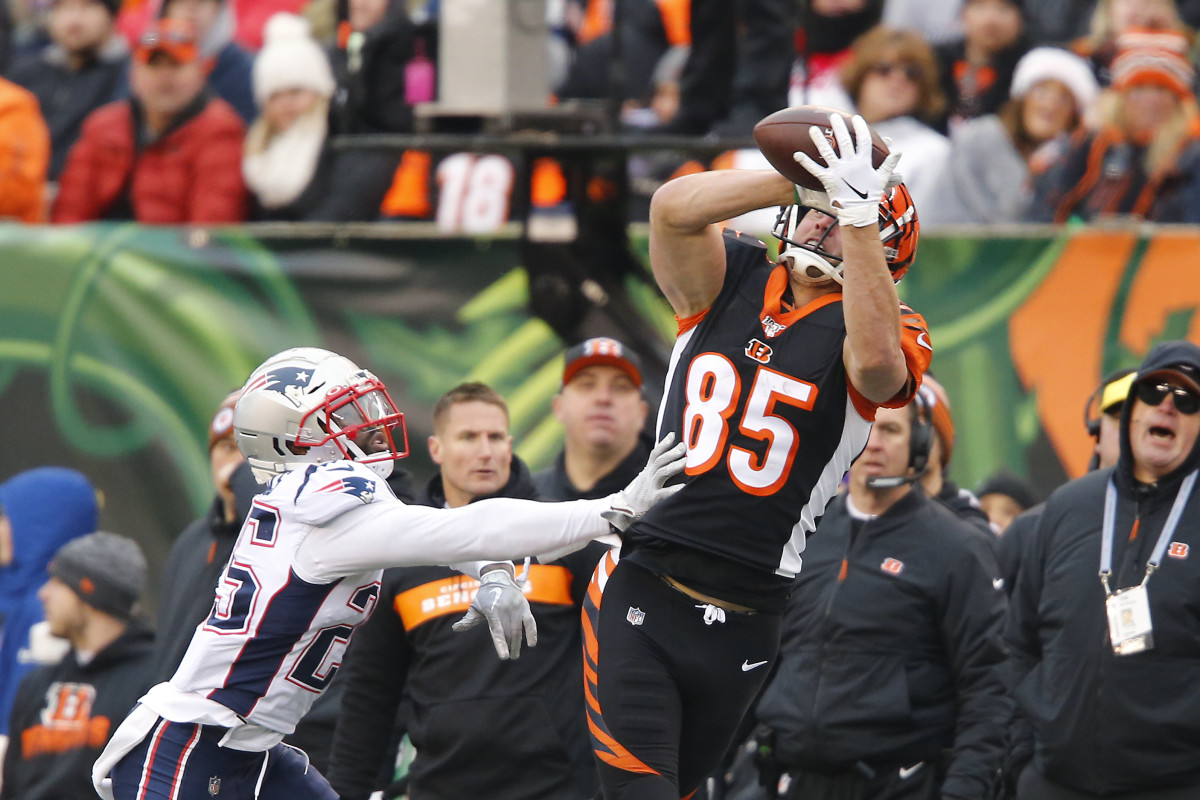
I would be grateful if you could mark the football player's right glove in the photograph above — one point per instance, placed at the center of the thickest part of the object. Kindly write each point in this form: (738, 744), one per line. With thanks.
(649, 487)
(855, 188)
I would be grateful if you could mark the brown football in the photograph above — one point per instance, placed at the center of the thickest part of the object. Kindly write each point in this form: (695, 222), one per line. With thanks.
(783, 133)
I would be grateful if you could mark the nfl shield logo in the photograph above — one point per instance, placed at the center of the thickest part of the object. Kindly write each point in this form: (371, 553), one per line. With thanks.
(635, 616)
(214, 786)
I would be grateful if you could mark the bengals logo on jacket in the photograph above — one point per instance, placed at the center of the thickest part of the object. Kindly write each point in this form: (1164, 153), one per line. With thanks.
(66, 722)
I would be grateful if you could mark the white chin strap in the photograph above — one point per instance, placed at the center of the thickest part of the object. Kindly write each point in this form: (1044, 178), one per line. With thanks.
(809, 268)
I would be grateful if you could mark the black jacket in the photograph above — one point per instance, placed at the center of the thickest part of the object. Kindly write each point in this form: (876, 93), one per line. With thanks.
(67, 96)
(190, 576)
(64, 715)
(481, 727)
(347, 186)
(1105, 723)
(899, 659)
(965, 504)
(370, 75)
(553, 484)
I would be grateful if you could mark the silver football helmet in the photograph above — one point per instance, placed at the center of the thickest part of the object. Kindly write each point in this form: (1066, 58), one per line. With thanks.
(310, 406)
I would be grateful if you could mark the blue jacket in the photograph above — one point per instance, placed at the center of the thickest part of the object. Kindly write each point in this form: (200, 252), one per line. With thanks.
(46, 507)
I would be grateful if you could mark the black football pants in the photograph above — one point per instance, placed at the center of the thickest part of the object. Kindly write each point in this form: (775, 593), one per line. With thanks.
(666, 689)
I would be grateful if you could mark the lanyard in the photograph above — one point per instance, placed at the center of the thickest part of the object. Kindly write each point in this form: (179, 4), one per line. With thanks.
(1110, 521)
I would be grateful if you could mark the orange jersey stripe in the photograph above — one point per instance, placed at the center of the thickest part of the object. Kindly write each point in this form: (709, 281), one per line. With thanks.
(548, 583)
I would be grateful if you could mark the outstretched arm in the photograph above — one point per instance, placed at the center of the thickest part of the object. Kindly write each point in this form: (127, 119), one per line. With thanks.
(873, 356)
(686, 251)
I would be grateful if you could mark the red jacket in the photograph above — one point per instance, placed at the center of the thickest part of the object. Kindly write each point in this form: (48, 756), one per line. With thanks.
(192, 174)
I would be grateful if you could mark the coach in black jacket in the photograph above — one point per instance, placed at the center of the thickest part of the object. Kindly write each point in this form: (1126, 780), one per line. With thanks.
(482, 727)
(1105, 723)
(890, 677)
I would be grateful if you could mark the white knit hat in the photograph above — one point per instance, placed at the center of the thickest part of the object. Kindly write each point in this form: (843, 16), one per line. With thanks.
(1043, 63)
(290, 59)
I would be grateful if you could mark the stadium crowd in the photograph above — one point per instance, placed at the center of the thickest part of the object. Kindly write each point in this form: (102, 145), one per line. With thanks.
(1018, 641)
(1084, 108)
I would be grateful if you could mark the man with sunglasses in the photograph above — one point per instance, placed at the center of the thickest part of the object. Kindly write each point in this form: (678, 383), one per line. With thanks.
(1103, 629)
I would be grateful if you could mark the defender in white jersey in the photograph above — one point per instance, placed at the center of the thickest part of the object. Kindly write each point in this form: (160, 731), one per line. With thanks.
(306, 571)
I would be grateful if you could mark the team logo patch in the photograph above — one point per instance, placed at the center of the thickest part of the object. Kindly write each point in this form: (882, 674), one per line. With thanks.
(892, 565)
(1178, 550)
(759, 351)
(635, 616)
(772, 328)
(361, 488)
(214, 786)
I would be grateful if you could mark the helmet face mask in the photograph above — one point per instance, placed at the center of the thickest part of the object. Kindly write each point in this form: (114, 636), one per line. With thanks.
(310, 406)
(899, 230)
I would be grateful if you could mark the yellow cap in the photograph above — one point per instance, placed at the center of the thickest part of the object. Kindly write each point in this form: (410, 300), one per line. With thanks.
(1115, 393)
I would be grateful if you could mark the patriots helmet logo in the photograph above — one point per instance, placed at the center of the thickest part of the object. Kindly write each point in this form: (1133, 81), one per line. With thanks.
(287, 381)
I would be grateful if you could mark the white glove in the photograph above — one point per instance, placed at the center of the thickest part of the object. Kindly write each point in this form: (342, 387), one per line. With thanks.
(501, 601)
(628, 505)
(855, 188)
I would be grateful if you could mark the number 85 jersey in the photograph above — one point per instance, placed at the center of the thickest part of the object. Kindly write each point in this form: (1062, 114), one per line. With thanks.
(760, 395)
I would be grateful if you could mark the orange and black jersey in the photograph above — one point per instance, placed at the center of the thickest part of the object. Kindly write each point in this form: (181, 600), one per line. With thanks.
(759, 393)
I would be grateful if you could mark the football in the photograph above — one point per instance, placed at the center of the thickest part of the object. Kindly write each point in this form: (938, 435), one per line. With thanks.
(781, 134)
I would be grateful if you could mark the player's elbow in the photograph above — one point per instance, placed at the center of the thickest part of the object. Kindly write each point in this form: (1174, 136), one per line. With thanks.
(670, 206)
(881, 376)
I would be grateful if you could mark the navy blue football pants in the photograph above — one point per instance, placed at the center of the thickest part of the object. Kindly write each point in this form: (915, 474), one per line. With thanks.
(183, 761)
(667, 681)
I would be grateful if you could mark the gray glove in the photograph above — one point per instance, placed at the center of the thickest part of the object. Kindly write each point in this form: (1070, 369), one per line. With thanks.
(502, 603)
(665, 462)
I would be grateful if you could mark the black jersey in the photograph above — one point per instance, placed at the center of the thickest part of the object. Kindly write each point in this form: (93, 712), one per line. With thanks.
(760, 395)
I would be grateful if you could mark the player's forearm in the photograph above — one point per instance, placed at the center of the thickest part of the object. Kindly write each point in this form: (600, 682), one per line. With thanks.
(872, 310)
(395, 534)
(690, 203)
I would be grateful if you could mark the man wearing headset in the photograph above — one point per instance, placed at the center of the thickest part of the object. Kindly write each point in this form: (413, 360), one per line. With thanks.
(889, 681)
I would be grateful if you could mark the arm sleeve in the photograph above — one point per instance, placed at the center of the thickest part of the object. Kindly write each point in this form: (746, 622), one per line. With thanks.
(393, 534)
(972, 621)
(375, 671)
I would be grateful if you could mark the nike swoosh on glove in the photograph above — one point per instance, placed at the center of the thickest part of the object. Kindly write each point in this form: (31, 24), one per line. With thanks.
(855, 188)
(501, 601)
(665, 462)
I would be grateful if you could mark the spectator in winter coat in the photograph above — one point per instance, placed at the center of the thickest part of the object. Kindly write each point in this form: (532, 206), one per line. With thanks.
(171, 154)
(83, 68)
(892, 78)
(66, 712)
(1144, 160)
(1104, 635)
(229, 73)
(290, 169)
(24, 155)
(977, 70)
(994, 159)
(40, 510)
(375, 45)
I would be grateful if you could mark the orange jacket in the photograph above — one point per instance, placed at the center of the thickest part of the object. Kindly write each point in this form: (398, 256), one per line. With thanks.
(193, 174)
(24, 155)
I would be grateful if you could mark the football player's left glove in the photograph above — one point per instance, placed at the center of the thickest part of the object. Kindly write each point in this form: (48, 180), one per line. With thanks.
(649, 487)
(501, 601)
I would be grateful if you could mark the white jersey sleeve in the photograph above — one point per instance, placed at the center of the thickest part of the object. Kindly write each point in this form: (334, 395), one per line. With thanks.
(383, 535)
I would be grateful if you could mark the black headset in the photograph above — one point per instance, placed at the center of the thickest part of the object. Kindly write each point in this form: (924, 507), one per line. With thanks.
(920, 436)
(920, 443)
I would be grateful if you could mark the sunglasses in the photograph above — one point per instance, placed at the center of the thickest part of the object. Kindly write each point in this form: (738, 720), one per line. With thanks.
(1153, 393)
(911, 71)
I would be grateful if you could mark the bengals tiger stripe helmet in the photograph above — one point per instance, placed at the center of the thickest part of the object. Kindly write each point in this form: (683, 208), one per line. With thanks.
(899, 230)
